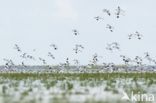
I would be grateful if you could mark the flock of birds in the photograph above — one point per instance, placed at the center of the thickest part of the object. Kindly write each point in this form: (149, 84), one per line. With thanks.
(114, 46)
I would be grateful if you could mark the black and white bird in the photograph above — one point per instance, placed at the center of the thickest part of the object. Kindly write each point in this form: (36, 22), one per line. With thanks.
(30, 57)
(76, 62)
(17, 48)
(109, 67)
(23, 64)
(9, 63)
(54, 46)
(139, 36)
(113, 46)
(75, 32)
(24, 55)
(125, 59)
(135, 35)
(147, 55)
(119, 12)
(97, 18)
(111, 28)
(67, 61)
(149, 58)
(43, 60)
(138, 60)
(78, 48)
(95, 59)
(130, 36)
(51, 55)
(107, 12)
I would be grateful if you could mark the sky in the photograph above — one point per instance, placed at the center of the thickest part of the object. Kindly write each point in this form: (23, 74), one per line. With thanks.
(35, 24)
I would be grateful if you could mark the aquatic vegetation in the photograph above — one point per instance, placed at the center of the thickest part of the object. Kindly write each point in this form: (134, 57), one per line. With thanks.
(73, 88)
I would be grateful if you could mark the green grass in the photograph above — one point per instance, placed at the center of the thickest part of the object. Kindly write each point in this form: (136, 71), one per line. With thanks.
(67, 81)
(81, 76)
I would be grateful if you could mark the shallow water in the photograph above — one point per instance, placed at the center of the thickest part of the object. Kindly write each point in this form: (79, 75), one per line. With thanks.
(53, 90)
(77, 69)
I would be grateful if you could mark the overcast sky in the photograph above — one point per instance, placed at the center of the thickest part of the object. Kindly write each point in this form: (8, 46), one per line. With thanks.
(35, 24)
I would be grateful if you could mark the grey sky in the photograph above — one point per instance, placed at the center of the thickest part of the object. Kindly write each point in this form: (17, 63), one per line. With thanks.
(35, 24)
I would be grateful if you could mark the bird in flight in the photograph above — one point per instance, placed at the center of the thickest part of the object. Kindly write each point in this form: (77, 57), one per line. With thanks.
(75, 32)
(139, 36)
(67, 62)
(111, 28)
(78, 48)
(76, 62)
(43, 60)
(17, 48)
(51, 55)
(107, 12)
(119, 12)
(130, 36)
(54, 46)
(125, 59)
(138, 60)
(136, 34)
(24, 55)
(9, 63)
(149, 58)
(95, 59)
(147, 54)
(23, 64)
(97, 18)
(113, 46)
(30, 57)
